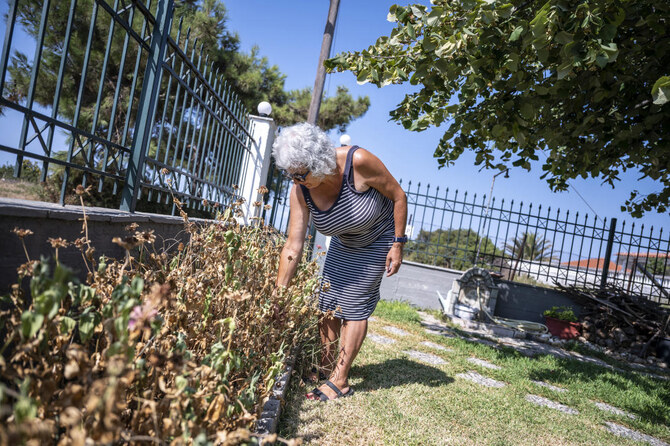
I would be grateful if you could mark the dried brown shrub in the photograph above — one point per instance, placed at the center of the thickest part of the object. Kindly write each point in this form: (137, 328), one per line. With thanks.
(173, 347)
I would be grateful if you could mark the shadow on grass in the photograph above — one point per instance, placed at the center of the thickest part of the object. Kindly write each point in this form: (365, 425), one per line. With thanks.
(397, 372)
(655, 410)
(569, 370)
(364, 378)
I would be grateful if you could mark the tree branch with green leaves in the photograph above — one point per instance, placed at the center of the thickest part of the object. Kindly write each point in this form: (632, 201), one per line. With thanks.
(585, 84)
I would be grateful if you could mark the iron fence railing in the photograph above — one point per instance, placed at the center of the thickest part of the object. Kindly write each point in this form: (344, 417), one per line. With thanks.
(534, 243)
(112, 99)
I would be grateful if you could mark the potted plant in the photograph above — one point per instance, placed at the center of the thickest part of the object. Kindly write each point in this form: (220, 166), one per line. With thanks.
(562, 322)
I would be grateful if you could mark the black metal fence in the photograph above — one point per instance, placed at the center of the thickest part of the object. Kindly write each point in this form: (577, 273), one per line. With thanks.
(536, 244)
(523, 242)
(110, 98)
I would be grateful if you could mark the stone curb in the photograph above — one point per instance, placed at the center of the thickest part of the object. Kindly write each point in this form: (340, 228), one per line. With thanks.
(269, 418)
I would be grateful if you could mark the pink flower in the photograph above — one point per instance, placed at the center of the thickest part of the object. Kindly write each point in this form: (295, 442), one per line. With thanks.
(142, 315)
(319, 247)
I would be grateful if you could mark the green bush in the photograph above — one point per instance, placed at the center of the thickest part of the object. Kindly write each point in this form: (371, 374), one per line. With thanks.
(563, 313)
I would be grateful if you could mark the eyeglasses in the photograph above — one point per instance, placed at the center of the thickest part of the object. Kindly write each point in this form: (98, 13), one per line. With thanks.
(299, 177)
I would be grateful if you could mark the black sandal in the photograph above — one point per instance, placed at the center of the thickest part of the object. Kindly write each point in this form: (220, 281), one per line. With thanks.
(323, 397)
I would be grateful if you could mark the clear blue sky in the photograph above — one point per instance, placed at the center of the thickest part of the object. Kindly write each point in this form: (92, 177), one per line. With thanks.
(289, 34)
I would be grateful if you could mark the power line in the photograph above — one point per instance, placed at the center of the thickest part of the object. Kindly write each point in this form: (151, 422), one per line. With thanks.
(577, 192)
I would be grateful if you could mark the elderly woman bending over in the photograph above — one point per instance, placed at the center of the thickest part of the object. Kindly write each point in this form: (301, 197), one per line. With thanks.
(353, 198)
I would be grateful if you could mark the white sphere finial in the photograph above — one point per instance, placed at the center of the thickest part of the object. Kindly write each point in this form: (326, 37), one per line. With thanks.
(345, 140)
(264, 108)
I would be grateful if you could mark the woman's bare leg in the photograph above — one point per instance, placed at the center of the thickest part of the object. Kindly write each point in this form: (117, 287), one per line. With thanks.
(352, 335)
(329, 329)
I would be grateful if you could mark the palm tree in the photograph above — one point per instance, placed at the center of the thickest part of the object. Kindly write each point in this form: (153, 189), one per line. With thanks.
(529, 246)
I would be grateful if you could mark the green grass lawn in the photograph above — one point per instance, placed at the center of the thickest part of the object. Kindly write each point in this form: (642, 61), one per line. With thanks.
(400, 400)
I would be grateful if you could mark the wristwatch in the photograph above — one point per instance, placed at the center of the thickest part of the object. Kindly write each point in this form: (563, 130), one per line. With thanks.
(402, 239)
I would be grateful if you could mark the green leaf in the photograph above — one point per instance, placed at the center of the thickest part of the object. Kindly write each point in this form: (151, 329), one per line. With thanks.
(429, 43)
(661, 90)
(362, 77)
(434, 16)
(601, 60)
(564, 70)
(137, 285)
(180, 382)
(505, 10)
(87, 324)
(564, 38)
(608, 32)
(30, 324)
(418, 13)
(488, 17)
(391, 17)
(512, 62)
(411, 32)
(67, 324)
(527, 111)
(516, 34)
(47, 303)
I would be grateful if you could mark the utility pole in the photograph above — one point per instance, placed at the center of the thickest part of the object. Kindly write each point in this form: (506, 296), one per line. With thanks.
(317, 91)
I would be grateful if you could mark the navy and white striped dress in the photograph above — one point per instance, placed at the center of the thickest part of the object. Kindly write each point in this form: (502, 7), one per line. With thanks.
(362, 228)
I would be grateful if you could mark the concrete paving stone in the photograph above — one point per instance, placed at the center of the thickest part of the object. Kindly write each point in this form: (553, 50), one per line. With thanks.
(395, 330)
(426, 357)
(429, 318)
(482, 380)
(614, 410)
(482, 363)
(436, 346)
(622, 431)
(379, 339)
(541, 401)
(549, 386)
(655, 376)
(435, 329)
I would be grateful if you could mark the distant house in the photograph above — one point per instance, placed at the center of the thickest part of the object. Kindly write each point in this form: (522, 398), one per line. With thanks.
(655, 263)
(593, 265)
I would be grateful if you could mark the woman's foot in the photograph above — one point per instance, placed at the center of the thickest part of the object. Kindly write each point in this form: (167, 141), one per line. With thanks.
(330, 391)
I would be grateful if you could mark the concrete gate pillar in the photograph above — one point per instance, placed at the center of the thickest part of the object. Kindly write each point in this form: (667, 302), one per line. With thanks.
(254, 172)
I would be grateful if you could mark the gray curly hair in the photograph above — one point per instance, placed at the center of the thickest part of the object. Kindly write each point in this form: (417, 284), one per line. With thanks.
(304, 146)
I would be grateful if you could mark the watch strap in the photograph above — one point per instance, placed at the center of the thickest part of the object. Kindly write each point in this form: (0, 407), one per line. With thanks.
(402, 239)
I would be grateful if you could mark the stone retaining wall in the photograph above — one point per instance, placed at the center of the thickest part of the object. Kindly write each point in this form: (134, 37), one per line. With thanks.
(52, 220)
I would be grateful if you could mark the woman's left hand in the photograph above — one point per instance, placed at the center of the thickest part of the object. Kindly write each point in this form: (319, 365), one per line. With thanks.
(394, 259)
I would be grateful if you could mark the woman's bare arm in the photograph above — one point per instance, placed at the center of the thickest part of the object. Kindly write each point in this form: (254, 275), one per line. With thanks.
(373, 173)
(297, 226)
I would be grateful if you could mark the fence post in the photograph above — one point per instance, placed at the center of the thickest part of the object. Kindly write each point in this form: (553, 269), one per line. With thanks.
(254, 171)
(147, 104)
(608, 254)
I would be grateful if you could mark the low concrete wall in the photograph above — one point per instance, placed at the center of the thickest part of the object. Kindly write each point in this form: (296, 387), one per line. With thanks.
(527, 302)
(52, 220)
(418, 284)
